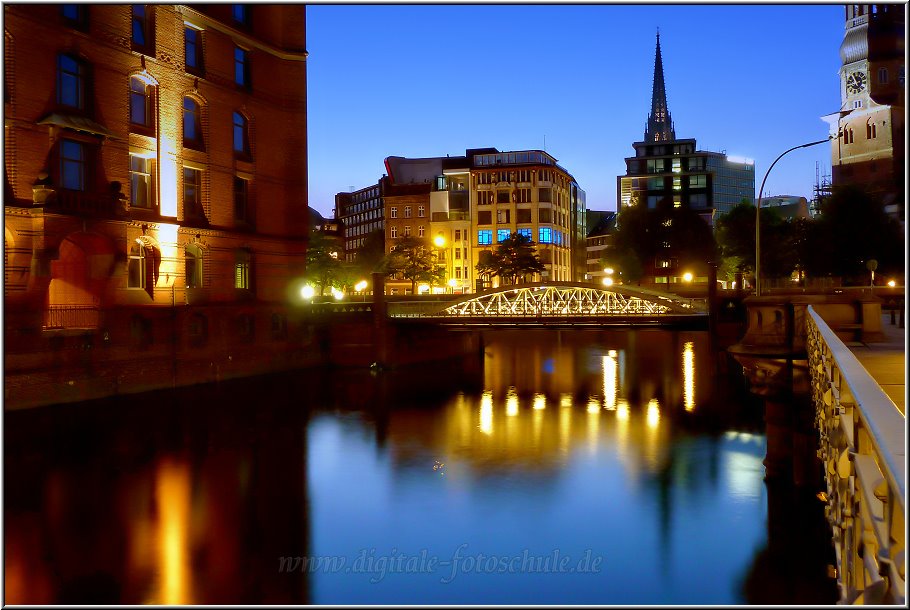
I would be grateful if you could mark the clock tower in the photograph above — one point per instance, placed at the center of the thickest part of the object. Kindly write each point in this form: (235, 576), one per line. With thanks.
(868, 149)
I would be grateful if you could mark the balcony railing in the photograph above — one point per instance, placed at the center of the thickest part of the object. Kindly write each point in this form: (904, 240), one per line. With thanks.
(861, 439)
(71, 316)
(79, 202)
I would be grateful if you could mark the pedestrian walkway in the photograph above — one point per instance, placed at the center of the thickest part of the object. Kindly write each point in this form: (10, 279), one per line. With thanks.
(886, 361)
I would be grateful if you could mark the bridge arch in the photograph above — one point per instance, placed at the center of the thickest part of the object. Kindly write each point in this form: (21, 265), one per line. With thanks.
(543, 299)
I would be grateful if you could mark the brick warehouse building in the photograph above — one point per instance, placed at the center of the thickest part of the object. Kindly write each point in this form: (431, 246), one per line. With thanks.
(155, 195)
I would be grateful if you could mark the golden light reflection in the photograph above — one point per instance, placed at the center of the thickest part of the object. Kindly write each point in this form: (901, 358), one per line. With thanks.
(540, 401)
(689, 376)
(593, 405)
(511, 402)
(622, 426)
(167, 239)
(593, 423)
(486, 412)
(653, 416)
(172, 488)
(622, 411)
(565, 423)
(610, 371)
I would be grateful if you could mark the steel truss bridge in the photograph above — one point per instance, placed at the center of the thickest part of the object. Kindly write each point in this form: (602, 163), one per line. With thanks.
(557, 303)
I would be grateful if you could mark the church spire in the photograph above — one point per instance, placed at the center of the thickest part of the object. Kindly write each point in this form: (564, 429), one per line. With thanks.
(660, 125)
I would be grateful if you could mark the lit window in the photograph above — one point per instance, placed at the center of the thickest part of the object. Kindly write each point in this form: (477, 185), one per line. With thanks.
(420, 231)
(393, 232)
(136, 266)
(140, 182)
(485, 237)
(140, 102)
(241, 134)
(407, 211)
(192, 47)
(502, 235)
(393, 212)
(72, 165)
(70, 82)
(545, 235)
(525, 233)
(421, 211)
(242, 67)
(242, 269)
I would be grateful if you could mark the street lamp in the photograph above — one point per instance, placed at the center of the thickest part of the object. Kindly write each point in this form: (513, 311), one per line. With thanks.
(758, 210)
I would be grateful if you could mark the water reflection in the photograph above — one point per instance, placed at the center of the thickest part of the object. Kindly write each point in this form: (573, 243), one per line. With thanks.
(572, 442)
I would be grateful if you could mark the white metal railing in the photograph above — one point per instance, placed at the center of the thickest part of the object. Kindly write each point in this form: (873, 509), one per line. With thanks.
(862, 445)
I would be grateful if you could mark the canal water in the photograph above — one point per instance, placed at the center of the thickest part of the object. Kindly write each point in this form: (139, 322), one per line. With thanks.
(585, 467)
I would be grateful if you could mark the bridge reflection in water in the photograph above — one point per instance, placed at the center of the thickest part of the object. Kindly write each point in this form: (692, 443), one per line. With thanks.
(618, 442)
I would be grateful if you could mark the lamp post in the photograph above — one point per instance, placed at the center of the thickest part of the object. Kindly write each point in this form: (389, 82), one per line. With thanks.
(758, 211)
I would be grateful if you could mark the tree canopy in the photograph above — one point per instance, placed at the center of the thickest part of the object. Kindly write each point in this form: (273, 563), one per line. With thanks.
(514, 259)
(413, 259)
(323, 266)
(644, 234)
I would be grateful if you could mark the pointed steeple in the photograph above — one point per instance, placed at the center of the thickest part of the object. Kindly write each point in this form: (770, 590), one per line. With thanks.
(660, 125)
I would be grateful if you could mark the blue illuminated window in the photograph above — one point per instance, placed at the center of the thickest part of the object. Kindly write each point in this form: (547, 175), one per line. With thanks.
(545, 235)
(502, 235)
(70, 82)
(525, 232)
(72, 165)
(485, 237)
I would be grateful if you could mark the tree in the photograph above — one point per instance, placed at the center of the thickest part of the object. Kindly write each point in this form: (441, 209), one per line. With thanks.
(644, 234)
(514, 259)
(414, 260)
(371, 252)
(736, 242)
(853, 228)
(322, 262)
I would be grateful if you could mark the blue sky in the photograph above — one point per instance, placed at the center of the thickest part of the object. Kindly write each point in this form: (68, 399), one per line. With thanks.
(431, 80)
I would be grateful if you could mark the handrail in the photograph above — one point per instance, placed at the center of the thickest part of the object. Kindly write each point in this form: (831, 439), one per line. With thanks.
(861, 438)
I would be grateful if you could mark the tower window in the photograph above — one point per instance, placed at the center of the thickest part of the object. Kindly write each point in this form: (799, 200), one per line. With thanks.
(242, 67)
(143, 33)
(140, 182)
(140, 102)
(192, 124)
(192, 47)
(70, 82)
(72, 165)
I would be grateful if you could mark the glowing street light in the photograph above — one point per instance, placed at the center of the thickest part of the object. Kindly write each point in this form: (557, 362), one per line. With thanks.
(360, 286)
(307, 292)
(608, 281)
(608, 270)
(892, 283)
(439, 241)
(337, 294)
(687, 276)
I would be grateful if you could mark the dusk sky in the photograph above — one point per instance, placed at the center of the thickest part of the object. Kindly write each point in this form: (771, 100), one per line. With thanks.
(431, 80)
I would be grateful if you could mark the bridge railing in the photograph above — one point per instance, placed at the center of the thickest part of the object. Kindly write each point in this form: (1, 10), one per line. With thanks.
(862, 438)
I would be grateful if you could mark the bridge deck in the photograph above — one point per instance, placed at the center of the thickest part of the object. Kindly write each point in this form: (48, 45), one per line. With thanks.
(886, 361)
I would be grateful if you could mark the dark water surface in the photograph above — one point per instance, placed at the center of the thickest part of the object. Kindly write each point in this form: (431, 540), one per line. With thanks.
(562, 467)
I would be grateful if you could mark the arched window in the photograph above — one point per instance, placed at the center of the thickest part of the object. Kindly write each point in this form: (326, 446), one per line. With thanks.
(241, 135)
(142, 265)
(192, 124)
(140, 102)
(71, 77)
(193, 261)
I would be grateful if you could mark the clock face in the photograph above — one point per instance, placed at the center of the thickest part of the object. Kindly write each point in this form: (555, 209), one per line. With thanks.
(856, 82)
